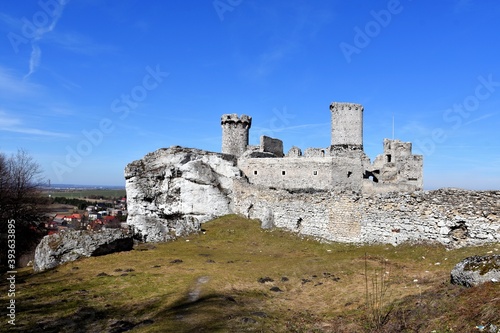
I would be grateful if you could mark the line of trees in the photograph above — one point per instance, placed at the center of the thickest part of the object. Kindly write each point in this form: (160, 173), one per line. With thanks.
(81, 204)
(21, 200)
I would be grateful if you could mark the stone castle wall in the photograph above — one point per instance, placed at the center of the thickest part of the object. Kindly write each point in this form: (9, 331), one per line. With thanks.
(342, 172)
(288, 172)
(171, 192)
(448, 216)
(451, 217)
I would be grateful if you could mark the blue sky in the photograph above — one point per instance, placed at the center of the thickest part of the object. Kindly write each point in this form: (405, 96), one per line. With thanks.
(87, 86)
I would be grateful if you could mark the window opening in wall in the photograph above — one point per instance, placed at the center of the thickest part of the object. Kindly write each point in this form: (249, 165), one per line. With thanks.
(283, 173)
(255, 172)
(371, 175)
(389, 158)
(315, 173)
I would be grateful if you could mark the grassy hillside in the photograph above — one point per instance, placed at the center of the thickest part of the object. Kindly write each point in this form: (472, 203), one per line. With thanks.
(235, 277)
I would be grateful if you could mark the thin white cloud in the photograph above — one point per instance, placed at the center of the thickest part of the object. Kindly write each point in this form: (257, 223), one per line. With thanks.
(60, 110)
(80, 44)
(7, 121)
(486, 116)
(10, 22)
(36, 52)
(12, 87)
(15, 125)
(34, 131)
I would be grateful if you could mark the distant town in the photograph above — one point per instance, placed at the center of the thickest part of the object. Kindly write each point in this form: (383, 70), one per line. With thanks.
(83, 207)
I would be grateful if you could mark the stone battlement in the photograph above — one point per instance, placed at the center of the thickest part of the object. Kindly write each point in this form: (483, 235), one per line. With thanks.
(234, 119)
(346, 106)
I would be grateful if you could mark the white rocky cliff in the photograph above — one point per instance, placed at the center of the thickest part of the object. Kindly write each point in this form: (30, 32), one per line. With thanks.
(170, 192)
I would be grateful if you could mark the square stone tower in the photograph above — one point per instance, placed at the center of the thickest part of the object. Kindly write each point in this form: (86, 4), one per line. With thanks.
(347, 125)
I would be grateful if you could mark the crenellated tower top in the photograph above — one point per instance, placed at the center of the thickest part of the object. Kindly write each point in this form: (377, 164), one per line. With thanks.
(346, 106)
(235, 133)
(233, 118)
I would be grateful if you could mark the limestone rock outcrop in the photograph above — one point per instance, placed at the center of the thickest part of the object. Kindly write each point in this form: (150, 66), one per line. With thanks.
(476, 270)
(170, 192)
(67, 246)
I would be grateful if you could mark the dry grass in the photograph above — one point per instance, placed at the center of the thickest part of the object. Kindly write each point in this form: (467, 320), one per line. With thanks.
(209, 283)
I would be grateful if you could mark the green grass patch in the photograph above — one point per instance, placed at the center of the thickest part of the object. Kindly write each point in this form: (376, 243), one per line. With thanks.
(90, 193)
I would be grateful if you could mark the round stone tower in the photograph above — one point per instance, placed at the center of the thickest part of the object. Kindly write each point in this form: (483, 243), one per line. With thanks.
(235, 133)
(347, 125)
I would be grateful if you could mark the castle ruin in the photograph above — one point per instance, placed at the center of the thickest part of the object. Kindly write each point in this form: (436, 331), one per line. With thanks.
(341, 166)
(334, 193)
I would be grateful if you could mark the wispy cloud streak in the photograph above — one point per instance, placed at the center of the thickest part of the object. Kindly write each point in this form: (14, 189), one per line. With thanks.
(35, 131)
(15, 125)
(12, 87)
(36, 52)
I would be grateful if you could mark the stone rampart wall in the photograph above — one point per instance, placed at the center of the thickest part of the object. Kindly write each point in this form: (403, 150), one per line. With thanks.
(450, 217)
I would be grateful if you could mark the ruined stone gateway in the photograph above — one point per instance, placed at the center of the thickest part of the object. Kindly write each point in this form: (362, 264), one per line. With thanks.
(334, 193)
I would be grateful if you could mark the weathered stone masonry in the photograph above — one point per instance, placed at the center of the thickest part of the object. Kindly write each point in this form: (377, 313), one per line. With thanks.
(235, 137)
(333, 193)
(341, 166)
(449, 216)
